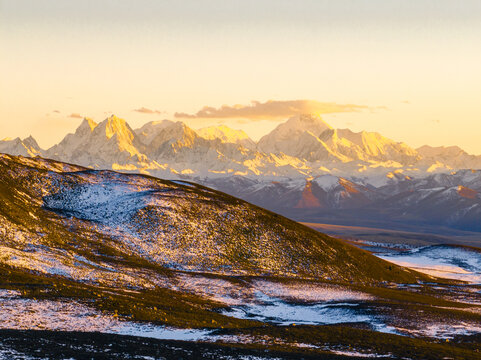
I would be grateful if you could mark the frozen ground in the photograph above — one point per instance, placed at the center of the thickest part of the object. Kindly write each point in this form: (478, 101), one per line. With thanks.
(265, 301)
(451, 262)
(275, 310)
(24, 314)
(301, 292)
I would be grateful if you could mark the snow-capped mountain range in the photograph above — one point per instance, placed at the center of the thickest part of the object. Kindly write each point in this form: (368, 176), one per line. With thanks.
(303, 146)
(302, 165)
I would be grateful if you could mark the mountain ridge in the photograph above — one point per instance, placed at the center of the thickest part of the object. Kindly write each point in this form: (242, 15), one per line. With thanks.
(302, 146)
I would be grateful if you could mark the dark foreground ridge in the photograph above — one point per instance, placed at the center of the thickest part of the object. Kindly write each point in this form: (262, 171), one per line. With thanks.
(55, 345)
(60, 345)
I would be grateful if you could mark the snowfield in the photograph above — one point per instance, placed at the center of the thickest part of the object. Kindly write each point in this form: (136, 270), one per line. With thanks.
(451, 262)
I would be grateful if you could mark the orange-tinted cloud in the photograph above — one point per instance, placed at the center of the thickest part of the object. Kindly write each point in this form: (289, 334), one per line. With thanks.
(271, 110)
(75, 115)
(145, 110)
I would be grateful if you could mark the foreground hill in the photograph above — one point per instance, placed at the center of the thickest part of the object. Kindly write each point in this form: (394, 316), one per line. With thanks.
(64, 219)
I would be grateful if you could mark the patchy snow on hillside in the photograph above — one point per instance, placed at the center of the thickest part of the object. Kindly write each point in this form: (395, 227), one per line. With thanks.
(310, 293)
(224, 291)
(108, 202)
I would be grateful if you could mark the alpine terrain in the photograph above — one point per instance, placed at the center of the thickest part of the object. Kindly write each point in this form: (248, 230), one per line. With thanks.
(197, 273)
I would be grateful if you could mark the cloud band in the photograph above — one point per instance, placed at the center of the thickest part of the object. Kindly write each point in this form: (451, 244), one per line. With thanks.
(271, 109)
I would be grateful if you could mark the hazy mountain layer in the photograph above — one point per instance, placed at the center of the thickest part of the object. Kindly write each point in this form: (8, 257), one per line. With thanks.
(444, 200)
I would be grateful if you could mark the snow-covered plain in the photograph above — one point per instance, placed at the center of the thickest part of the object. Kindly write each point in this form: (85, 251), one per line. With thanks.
(445, 261)
(270, 309)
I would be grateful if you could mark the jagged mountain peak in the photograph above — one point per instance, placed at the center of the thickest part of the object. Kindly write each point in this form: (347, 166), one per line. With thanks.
(86, 126)
(105, 145)
(17, 146)
(304, 122)
(90, 123)
(174, 132)
(149, 130)
(286, 136)
(114, 125)
(32, 144)
(30, 138)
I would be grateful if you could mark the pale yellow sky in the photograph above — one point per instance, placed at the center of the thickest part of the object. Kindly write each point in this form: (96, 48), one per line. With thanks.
(418, 59)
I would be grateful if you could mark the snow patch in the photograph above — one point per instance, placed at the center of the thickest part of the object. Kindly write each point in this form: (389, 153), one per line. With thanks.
(310, 293)
(274, 310)
(359, 354)
(23, 314)
(449, 262)
(184, 183)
